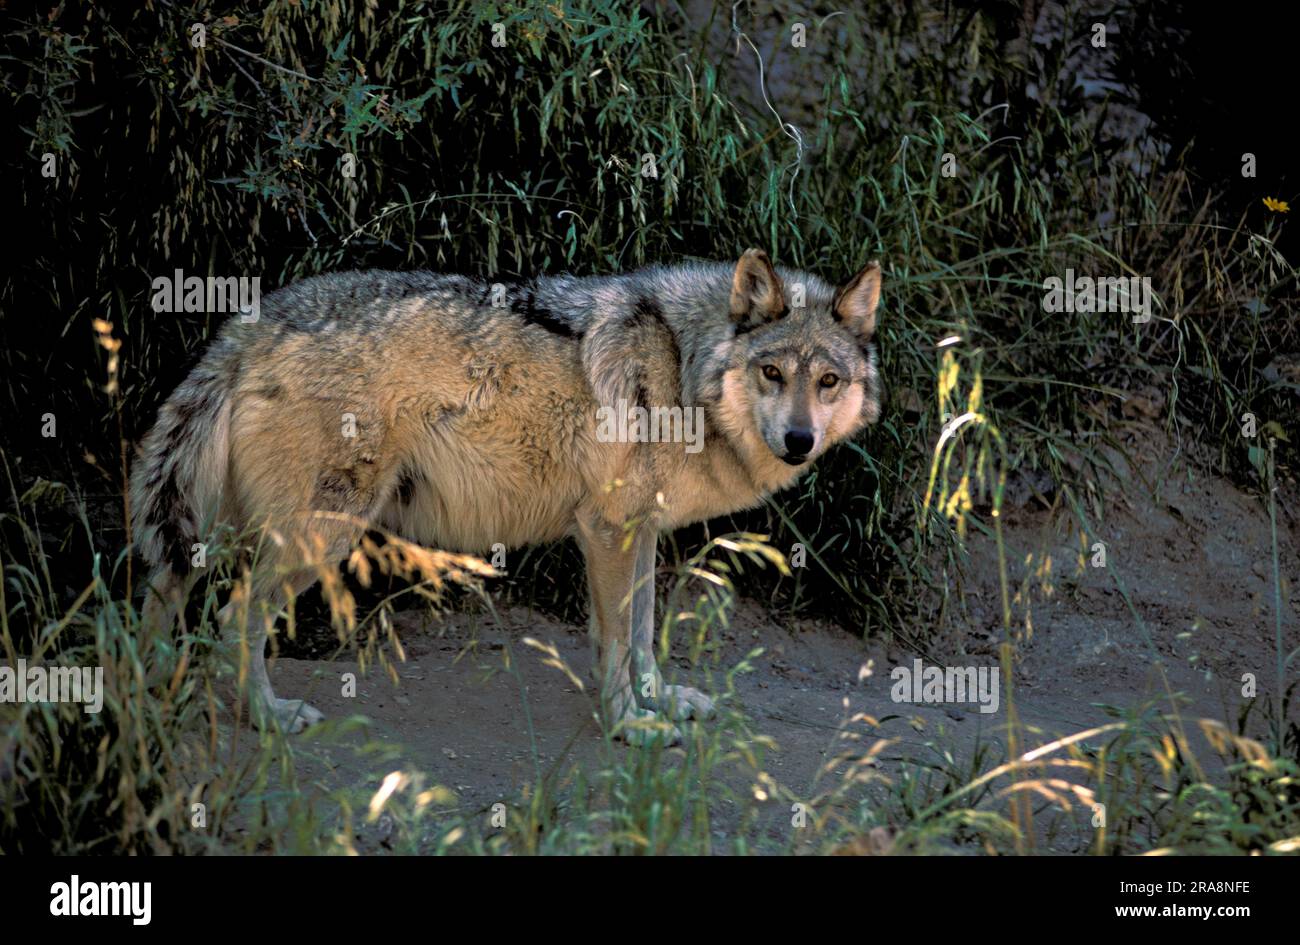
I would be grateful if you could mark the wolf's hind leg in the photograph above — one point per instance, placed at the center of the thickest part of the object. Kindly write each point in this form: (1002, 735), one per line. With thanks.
(241, 622)
(164, 599)
(165, 596)
(294, 556)
(678, 702)
(292, 715)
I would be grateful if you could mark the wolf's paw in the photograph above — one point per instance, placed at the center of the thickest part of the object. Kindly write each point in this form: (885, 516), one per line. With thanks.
(643, 727)
(683, 702)
(294, 715)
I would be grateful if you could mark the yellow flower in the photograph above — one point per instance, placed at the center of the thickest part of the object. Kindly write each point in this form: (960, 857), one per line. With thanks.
(1277, 206)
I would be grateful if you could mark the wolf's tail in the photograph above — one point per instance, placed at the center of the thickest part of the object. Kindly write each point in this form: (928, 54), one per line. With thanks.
(179, 478)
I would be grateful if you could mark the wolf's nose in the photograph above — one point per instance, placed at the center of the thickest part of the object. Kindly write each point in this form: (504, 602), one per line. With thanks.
(799, 442)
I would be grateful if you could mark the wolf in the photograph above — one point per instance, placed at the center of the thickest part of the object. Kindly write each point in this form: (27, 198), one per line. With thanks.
(461, 414)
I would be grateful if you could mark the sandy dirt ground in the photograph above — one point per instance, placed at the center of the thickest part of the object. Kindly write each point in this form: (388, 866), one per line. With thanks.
(479, 711)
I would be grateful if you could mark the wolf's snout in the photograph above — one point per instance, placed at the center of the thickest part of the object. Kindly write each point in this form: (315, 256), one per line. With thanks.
(798, 444)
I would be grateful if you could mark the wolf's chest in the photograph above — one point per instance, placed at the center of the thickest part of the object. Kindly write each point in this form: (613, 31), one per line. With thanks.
(719, 482)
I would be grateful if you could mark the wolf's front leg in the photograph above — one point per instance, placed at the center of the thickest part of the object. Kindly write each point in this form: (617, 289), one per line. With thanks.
(679, 702)
(610, 568)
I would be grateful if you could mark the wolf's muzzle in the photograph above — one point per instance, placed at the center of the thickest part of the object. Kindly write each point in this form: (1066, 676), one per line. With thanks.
(798, 444)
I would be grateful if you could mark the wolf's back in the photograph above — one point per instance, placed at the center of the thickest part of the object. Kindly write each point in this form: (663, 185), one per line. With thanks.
(179, 477)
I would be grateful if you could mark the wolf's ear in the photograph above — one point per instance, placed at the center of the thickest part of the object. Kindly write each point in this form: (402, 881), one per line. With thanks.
(855, 301)
(756, 292)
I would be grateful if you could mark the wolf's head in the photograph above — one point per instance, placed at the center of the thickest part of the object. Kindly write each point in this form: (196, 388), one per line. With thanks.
(803, 367)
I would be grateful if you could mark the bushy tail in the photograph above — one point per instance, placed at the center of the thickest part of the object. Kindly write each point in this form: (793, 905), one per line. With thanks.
(179, 477)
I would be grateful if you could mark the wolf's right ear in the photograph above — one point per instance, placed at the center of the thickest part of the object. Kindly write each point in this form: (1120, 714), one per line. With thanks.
(855, 302)
(756, 292)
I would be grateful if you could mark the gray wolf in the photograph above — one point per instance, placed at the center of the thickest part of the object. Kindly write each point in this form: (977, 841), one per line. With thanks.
(462, 413)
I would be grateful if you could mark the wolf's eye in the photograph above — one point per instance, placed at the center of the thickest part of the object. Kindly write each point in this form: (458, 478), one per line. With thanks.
(829, 380)
(771, 372)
